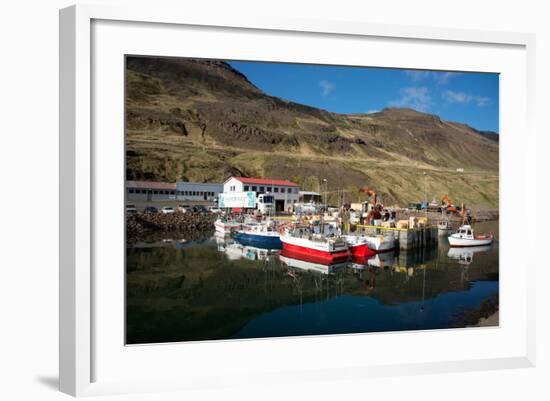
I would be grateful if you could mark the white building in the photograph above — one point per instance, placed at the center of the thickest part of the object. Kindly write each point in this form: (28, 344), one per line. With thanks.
(195, 191)
(286, 193)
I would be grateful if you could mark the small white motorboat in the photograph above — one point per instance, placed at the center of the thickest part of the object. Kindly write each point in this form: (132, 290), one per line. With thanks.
(466, 237)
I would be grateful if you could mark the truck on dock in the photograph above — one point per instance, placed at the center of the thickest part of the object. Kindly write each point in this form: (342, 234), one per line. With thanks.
(264, 203)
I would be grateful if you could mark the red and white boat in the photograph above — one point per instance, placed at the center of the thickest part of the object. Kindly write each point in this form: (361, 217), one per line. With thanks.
(301, 242)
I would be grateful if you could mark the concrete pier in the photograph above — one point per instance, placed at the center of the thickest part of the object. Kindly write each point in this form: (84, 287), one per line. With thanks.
(415, 238)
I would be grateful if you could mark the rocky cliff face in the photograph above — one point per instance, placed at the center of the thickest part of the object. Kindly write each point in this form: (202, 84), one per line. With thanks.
(202, 120)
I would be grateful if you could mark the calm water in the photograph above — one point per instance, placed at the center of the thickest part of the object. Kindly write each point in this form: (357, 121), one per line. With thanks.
(180, 290)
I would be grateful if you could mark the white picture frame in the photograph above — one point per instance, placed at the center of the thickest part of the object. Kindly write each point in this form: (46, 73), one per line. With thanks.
(82, 344)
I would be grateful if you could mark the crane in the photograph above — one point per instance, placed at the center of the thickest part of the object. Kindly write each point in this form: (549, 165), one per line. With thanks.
(449, 204)
(369, 192)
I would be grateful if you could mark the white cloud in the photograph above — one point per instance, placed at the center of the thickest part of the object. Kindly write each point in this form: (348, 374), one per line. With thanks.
(415, 75)
(439, 77)
(415, 98)
(461, 97)
(326, 87)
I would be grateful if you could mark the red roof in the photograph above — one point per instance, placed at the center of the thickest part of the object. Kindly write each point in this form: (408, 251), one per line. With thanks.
(151, 185)
(266, 181)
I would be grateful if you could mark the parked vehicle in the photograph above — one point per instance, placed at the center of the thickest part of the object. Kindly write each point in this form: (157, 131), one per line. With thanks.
(131, 209)
(150, 210)
(184, 208)
(167, 210)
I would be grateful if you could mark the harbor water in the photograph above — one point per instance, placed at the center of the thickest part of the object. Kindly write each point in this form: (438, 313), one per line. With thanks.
(216, 288)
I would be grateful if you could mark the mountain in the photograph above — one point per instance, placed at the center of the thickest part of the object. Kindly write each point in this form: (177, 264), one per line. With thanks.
(202, 120)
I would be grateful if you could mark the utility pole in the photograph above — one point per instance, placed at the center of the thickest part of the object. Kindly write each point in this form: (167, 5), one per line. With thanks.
(425, 194)
(326, 200)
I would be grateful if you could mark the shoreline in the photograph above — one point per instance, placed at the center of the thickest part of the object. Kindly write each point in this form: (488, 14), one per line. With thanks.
(489, 321)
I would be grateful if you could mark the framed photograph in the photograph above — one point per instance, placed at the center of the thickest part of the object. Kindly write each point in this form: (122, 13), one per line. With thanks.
(274, 199)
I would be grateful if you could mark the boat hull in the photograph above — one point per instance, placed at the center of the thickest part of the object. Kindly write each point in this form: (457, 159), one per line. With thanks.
(380, 245)
(469, 242)
(258, 241)
(361, 251)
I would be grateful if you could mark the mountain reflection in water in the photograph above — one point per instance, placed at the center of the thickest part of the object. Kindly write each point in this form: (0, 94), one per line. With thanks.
(180, 290)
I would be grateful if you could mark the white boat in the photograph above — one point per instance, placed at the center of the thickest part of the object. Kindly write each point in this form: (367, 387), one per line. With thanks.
(226, 226)
(466, 237)
(444, 227)
(380, 243)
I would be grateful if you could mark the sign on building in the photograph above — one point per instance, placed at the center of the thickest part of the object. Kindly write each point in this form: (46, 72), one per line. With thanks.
(237, 199)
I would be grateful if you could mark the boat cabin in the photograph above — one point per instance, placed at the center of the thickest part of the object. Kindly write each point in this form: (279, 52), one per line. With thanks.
(465, 232)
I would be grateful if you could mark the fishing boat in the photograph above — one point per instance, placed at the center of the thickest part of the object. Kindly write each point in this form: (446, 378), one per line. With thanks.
(466, 237)
(444, 227)
(303, 242)
(261, 235)
(358, 246)
(380, 243)
(225, 226)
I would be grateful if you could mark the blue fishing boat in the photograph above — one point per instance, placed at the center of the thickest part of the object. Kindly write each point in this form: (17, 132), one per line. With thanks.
(260, 235)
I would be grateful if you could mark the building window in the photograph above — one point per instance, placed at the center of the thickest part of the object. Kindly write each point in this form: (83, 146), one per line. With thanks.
(268, 189)
(276, 189)
(254, 188)
(246, 187)
(172, 193)
(155, 192)
(288, 190)
(261, 189)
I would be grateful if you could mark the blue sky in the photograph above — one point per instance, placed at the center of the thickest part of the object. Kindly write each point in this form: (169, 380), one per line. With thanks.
(470, 98)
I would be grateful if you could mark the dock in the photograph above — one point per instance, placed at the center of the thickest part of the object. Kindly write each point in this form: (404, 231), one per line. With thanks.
(408, 238)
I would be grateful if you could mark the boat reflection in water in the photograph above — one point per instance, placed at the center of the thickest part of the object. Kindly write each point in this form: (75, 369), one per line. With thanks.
(465, 256)
(294, 260)
(219, 288)
(235, 250)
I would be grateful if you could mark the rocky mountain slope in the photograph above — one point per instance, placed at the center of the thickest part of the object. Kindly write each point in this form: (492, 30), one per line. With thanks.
(201, 120)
